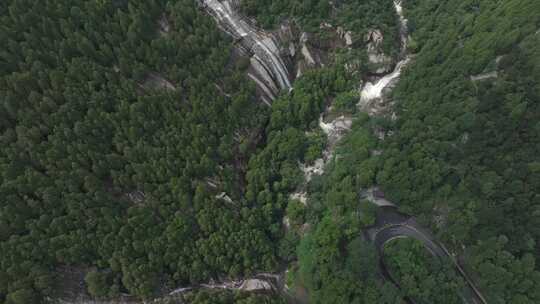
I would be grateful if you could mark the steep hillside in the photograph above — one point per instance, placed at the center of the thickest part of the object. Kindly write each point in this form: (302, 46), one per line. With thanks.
(463, 153)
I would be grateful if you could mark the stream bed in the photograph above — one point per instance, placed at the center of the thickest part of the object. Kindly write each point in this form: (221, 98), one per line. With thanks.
(370, 92)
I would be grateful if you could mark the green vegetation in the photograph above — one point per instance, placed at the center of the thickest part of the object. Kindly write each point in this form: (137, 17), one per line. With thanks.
(270, 13)
(464, 154)
(273, 172)
(97, 284)
(99, 168)
(139, 154)
(355, 15)
(503, 274)
(229, 297)
(336, 264)
(346, 102)
(422, 276)
(103, 167)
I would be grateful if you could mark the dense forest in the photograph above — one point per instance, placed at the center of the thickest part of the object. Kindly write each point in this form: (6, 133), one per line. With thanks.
(357, 16)
(421, 276)
(119, 137)
(464, 151)
(137, 156)
(462, 157)
(335, 262)
(226, 297)
(104, 167)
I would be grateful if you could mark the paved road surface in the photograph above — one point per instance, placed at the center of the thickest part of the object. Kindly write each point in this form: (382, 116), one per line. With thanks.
(391, 224)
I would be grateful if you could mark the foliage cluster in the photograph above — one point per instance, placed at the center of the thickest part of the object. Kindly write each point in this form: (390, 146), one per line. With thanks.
(336, 263)
(229, 297)
(462, 155)
(353, 15)
(422, 276)
(103, 167)
(464, 151)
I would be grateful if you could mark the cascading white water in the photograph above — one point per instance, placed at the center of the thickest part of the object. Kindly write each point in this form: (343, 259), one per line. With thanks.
(336, 129)
(374, 90)
(403, 31)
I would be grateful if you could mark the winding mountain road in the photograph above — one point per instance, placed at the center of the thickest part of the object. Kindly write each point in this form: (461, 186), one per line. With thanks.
(271, 75)
(391, 225)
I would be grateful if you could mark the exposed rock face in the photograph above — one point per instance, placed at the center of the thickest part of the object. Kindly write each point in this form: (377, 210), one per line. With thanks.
(301, 196)
(484, 76)
(325, 25)
(262, 282)
(255, 285)
(308, 56)
(156, 81)
(224, 197)
(164, 26)
(136, 196)
(335, 129)
(317, 168)
(287, 33)
(292, 49)
(275, 54)
(374, 38)
(347, 36)
(372, 95)
(378, 61)
(268, 68)
(297, 53)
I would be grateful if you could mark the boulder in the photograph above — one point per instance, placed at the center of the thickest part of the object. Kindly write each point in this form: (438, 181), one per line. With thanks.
(347, 36)
(292, 49)
(325, 25)
(255, 285)
(379, 63)
(286, 32)
(309, 57)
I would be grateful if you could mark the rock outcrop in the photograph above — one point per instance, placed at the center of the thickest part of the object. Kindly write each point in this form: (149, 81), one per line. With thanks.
(309, 57)
(255, 285)
(164, 26)
(346, 36)
(372, 94)
(268, 68)
(379, 63)
(484, 76)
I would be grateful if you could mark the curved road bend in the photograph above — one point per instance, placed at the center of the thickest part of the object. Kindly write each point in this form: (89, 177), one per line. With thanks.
(391, 225)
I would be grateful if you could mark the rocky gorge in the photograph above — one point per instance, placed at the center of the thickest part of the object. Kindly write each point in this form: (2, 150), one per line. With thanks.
(276, 59)
(287, 51)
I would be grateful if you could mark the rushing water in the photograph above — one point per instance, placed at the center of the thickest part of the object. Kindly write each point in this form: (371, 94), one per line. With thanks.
(371, 91)
(265, 50)
(374, 90)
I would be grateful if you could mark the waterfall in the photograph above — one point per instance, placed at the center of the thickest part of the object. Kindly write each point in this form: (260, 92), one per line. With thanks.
(374, 90)
(273, 74)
